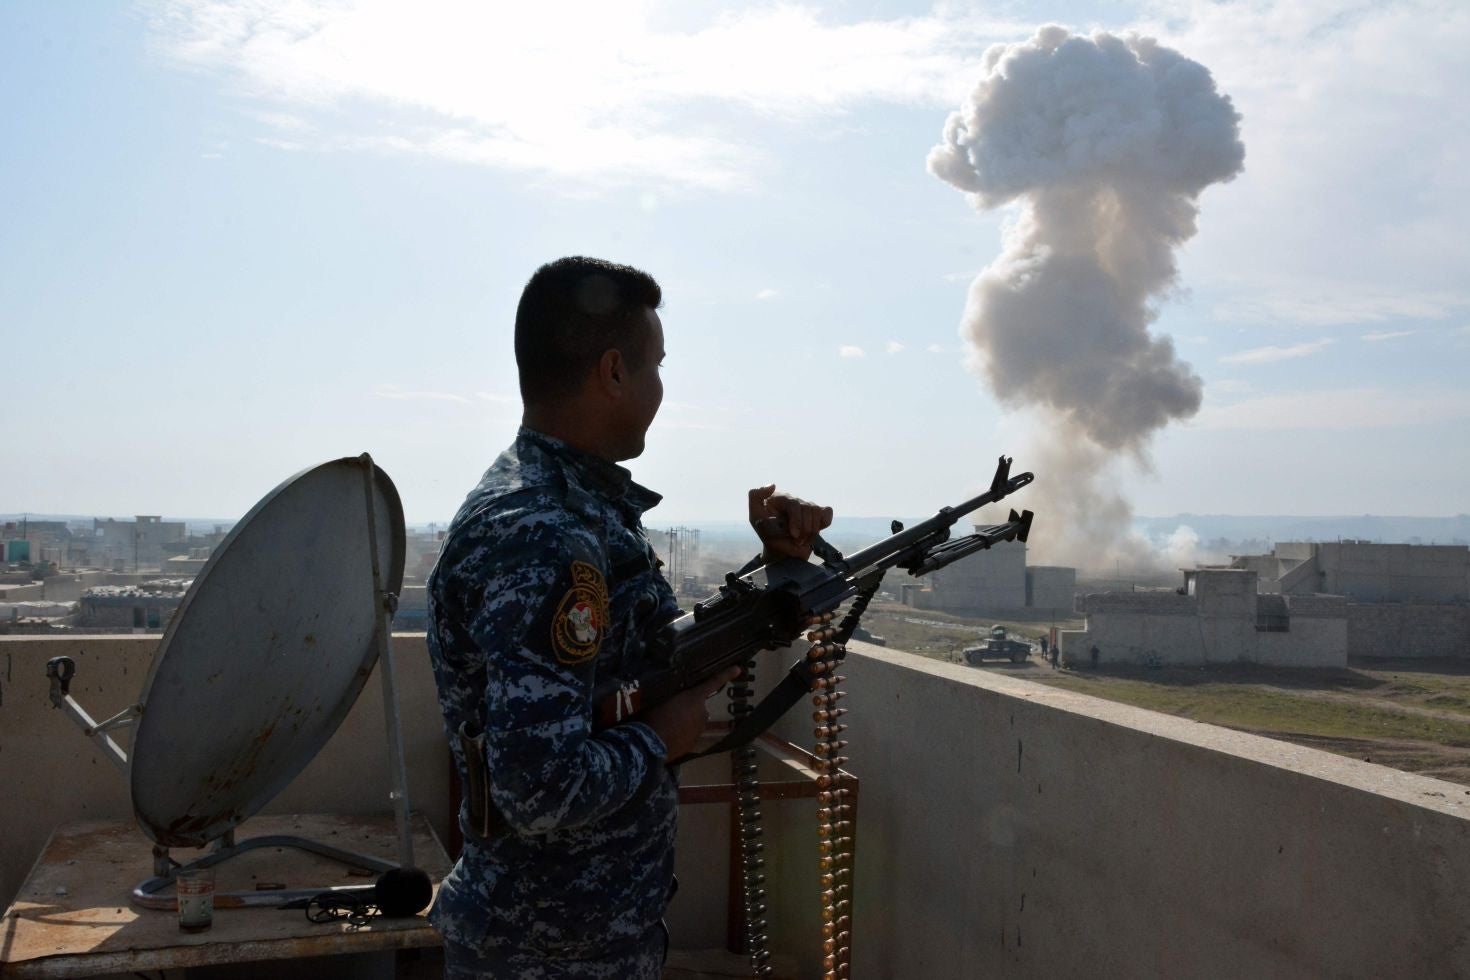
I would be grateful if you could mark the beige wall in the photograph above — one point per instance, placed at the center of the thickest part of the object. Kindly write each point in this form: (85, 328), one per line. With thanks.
(1011, 829)
(1004, 828)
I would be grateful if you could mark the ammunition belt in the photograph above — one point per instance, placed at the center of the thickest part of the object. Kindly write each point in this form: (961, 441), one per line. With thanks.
(834, 800)
(834, 809)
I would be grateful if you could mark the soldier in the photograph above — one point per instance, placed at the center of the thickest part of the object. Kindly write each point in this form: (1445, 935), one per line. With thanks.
(545, 584)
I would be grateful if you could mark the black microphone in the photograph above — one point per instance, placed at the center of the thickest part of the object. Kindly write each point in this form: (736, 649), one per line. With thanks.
(401, 892)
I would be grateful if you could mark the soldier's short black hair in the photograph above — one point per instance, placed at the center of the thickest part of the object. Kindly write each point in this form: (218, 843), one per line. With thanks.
(571, 312)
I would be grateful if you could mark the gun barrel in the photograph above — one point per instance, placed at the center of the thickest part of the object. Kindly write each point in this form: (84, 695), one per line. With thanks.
(889, 551)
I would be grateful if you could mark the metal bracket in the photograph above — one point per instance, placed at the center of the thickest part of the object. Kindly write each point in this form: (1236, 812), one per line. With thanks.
(122, 719)
(61, 671)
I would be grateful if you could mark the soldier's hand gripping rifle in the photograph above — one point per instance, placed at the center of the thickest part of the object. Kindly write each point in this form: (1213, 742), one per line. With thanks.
(768, 606)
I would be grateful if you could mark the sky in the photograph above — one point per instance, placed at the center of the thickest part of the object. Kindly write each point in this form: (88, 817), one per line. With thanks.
(241, 238)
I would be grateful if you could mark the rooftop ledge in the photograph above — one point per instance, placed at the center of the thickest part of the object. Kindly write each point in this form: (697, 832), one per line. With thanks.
(1004, 826)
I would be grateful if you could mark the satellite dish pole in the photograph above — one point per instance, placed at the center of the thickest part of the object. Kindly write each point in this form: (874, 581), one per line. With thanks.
(387, 604)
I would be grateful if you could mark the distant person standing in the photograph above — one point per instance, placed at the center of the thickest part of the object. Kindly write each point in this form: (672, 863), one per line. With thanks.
(1094, 656)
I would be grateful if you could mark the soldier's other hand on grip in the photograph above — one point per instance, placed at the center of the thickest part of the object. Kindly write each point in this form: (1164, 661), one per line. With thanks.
(785, 524)
(681, 719)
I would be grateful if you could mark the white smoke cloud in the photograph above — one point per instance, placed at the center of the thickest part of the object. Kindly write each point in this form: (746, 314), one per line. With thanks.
(1181, 549)
(1105, 143)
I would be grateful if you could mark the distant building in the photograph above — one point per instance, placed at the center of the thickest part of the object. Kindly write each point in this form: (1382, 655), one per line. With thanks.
(140, 543)
(147, 605)
(1217, 618)
(187, 565)
(1365, 572)
(989, 582)
(678, 549)
(421, 550)
(1404, 600)
(34, 541)
(413, 609)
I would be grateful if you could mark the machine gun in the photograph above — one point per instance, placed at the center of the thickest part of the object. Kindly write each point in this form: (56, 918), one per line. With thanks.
(769, 606)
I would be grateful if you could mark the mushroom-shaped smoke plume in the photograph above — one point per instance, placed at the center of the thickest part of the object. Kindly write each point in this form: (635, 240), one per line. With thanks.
(1106, 143)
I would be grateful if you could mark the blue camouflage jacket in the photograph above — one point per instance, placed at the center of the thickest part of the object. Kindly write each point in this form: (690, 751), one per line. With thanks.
(546, 584)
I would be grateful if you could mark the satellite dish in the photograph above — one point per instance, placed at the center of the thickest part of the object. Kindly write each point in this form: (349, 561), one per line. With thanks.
(258, 667)
(267, 652)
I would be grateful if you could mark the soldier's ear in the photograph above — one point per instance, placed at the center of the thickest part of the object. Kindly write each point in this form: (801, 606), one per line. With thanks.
(612, 371)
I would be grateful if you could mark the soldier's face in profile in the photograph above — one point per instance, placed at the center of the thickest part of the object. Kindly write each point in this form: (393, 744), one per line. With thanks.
(645, 387)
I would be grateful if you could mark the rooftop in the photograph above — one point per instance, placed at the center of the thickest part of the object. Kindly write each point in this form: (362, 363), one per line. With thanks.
(1005, 827)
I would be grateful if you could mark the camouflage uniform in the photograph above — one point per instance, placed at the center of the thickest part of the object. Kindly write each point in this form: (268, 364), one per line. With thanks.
(545, 585)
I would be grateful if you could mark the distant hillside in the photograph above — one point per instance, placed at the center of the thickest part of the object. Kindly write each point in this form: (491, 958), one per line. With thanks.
(1367, 527)
(194, 525)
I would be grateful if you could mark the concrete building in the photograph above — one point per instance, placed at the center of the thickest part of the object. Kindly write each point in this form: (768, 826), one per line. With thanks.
(1404, 600)
(1217, 618)
(187, 565)
(1366, 572)
(994, 581)
(139, 543)
(147, 605)
(413, 608)
(35, 541)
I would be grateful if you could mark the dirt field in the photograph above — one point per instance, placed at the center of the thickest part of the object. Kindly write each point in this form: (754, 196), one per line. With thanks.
(1412, 715)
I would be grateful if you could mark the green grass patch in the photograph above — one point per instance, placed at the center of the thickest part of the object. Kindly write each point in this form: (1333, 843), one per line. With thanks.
(1251, 707)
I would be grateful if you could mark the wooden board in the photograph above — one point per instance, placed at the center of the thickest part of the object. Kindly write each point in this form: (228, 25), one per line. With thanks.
(73, 916)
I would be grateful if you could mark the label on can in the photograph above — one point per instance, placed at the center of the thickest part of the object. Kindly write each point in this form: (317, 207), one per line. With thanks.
(196, 899)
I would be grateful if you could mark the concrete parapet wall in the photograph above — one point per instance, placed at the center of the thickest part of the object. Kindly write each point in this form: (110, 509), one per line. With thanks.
(1010, 829)
(1408, 629)
(1004, 828)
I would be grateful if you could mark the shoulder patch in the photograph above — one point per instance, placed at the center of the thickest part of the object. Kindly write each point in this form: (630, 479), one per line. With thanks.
(581, 618)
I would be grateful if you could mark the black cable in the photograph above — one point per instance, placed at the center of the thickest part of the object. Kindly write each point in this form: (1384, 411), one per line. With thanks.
(336, 907)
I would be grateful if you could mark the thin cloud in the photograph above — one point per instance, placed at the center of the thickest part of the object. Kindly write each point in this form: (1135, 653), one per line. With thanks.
(1334, 305)
(607, 103)
(497, 398)
(1339, 409)
(935, 349)
(1388, 335)
(846, 350)
(894, 347)
(1268, 355)
(768, 293)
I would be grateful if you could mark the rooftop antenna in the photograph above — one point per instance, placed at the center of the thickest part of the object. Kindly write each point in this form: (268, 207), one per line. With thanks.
(264, 658)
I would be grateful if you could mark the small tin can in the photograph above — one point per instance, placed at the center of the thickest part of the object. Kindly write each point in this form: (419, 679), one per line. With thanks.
(196, 899)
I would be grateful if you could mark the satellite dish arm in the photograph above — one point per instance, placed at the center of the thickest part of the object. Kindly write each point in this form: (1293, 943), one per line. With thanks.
(61, 670)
